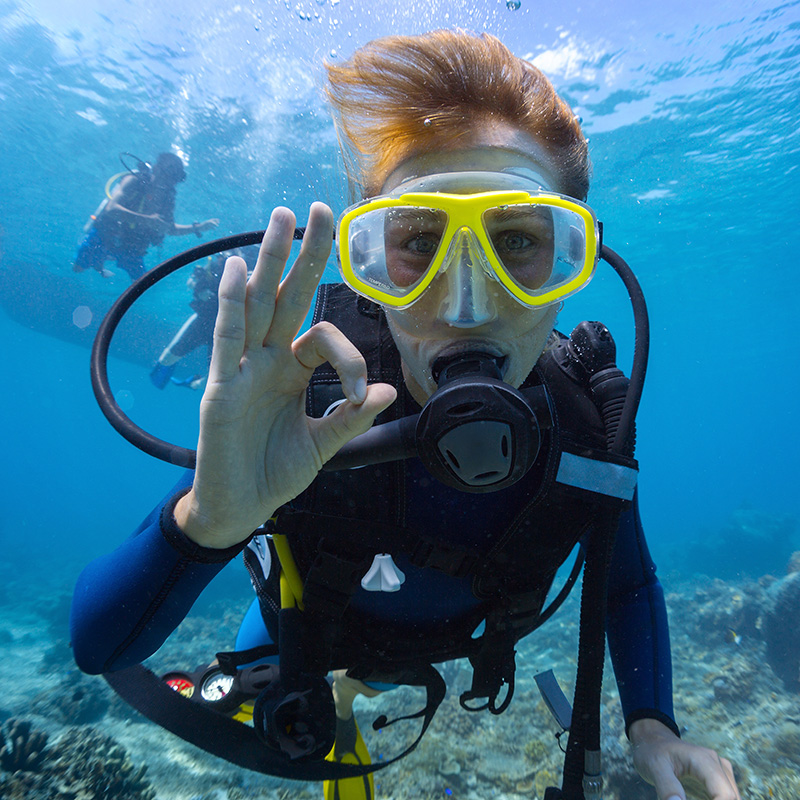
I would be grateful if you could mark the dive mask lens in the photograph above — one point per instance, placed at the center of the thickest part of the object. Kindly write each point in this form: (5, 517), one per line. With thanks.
(387, 252)
(543, 251)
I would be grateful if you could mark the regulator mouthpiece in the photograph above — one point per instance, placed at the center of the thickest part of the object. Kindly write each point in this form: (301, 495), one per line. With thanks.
(476, 433)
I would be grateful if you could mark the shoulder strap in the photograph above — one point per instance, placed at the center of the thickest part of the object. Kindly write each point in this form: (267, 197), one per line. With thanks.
(134, 193)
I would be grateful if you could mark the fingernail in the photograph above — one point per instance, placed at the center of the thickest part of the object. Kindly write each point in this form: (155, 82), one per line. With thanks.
(360, 392)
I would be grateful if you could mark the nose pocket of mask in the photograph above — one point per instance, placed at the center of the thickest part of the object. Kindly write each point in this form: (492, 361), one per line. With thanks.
(466, 268)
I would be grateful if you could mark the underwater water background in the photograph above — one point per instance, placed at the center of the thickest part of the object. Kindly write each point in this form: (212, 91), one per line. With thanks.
(694, 130)
(694, 124)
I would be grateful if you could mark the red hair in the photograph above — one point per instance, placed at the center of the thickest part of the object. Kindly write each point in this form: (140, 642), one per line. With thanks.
(405, 95)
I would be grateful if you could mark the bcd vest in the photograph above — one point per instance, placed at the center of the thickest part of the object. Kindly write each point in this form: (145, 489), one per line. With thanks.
(345, 518)
(337, 526)
(144, 197)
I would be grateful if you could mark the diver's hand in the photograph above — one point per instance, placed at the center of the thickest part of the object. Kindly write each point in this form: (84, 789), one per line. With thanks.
(206, 225)
(257, 447)
(664, 761)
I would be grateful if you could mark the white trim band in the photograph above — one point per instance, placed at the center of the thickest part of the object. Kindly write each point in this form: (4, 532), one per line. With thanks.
(603, 477)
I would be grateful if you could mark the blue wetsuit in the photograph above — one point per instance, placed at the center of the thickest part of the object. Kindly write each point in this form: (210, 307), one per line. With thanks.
(128, 602)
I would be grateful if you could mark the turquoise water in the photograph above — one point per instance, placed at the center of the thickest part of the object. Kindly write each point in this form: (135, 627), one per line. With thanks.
(693, 126)
(694, 129)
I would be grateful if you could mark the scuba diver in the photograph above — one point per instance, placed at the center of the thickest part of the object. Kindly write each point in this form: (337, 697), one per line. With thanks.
(198, 329)
(471, 230)
(139, 213)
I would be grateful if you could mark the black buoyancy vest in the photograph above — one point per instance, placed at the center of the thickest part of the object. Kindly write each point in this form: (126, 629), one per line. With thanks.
(344, 518)
(143, 196)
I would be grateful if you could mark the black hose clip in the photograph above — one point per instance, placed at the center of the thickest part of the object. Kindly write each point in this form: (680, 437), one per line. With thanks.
(492, 666)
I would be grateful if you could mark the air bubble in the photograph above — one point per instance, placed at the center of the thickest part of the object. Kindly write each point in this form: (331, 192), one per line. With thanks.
(513, 5)
(82, 317)
(125, 399)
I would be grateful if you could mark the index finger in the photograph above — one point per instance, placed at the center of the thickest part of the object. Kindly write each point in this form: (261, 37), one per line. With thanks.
(298, 287)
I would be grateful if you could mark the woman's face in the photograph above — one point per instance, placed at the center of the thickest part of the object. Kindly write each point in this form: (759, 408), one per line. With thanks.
(464, 310)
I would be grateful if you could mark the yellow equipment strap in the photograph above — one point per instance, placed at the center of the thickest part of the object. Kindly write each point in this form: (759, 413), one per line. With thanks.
(111, 180)
(291, 582)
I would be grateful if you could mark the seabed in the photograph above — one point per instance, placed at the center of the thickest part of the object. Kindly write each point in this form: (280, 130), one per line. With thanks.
(67, 736)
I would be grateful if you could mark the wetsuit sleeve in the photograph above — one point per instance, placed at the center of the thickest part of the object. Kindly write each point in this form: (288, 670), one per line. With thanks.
(128, 602)
(637, 628)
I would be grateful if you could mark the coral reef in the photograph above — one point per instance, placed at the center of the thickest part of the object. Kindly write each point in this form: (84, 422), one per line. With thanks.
(735, 682)
(782, 634)
(787, 742)
(21, 748)
(76, 700)
(57, 657)
(721, 612)
(82, 765)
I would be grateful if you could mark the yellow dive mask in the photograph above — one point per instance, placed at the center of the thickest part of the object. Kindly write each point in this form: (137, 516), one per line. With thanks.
(541, 246)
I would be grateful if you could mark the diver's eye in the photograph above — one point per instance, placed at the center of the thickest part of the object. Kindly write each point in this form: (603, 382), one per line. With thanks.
(513, 241)
(423, 244)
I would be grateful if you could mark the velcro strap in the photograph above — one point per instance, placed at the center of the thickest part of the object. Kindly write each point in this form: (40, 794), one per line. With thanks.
(450, 560)
(331, 581)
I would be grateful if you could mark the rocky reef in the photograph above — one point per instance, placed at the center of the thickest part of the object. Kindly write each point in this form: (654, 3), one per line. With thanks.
(782, 631)
(736, 654)
(82, 764)
(766, 611)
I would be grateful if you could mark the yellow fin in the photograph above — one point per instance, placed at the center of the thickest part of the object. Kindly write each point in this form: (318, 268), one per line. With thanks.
(349, 748)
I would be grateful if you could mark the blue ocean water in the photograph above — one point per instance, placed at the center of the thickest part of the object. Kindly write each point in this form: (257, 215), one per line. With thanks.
(693, 126)
(694, 131)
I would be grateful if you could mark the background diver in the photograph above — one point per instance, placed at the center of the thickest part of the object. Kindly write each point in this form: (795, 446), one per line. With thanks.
(471, 232)
(198, 329)
(139, 213)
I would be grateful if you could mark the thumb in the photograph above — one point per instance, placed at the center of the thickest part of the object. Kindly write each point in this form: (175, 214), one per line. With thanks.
(666, 784)
(350, 419)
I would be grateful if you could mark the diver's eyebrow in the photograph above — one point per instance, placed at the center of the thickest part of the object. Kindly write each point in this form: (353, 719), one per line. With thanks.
(414, 212)
(507, 213)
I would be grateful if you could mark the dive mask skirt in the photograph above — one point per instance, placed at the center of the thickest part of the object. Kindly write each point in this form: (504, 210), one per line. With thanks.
(541, 246)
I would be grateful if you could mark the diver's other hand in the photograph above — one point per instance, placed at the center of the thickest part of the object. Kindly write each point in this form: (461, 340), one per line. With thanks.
(664, 760)
(257, 448)
(206, 225)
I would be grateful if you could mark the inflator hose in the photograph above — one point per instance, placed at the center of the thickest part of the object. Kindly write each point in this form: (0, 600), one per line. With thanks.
(641, 349)
(186, 457)
(171, 453)
(584, 735)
